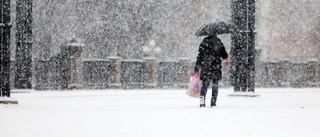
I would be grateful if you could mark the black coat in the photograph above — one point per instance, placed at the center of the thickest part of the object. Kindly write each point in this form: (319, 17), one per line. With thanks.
(211, 52)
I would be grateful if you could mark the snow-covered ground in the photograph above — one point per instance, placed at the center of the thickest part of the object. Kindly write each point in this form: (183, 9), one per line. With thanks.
(283, 112)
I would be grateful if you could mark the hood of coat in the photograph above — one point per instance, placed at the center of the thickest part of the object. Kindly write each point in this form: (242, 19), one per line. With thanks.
(211, 39)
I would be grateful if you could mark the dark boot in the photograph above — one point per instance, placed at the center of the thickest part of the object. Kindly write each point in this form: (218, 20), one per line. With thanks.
(202, 101)
(213, 101)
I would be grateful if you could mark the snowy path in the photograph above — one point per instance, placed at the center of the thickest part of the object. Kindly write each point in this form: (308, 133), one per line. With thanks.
(161, 113)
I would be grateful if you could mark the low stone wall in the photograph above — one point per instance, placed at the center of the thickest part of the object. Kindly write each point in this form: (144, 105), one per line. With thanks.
(116, 72)
(290, 74)
(132, 74)
(52, 74)
(168, 74)
(95, 73)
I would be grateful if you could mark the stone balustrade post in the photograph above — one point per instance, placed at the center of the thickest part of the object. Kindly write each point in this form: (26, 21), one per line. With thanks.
(312, 74)
(258, 68)
(74, 50)
(184, 72)
(114, 72)
(150, 72)
(284, 73)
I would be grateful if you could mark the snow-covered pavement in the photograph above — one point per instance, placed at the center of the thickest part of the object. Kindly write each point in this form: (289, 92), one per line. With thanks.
(277, 112)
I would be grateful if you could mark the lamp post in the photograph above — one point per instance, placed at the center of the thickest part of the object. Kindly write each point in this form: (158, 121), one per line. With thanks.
(5, 27)
(243, 45)
(152, 49)
(251, 45)
(23, 74)
(151, 66)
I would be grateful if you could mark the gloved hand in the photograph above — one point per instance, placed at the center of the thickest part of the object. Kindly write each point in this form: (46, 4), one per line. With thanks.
(196, 69)
(227, 62)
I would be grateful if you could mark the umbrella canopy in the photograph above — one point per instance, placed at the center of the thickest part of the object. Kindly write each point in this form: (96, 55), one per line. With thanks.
(216, 27)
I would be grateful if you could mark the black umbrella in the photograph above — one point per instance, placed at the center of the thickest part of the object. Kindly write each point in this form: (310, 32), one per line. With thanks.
(216, 27)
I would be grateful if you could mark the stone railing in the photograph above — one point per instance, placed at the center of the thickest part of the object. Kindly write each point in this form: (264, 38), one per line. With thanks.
(115, 72)
(95, 73)
(63, 71)
(67, 70)
(289, 74)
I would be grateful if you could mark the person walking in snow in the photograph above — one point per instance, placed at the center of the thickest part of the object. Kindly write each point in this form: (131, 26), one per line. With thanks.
(211, 52)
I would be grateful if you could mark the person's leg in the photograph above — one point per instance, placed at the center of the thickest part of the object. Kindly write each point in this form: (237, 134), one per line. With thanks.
(204, 87)
(203, 92)
(215, 87)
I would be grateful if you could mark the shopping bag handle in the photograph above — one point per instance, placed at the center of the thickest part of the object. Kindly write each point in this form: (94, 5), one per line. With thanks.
(194, 74)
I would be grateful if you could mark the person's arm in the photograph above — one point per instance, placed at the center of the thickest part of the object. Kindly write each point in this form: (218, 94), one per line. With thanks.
(199, 57)
(224, 54)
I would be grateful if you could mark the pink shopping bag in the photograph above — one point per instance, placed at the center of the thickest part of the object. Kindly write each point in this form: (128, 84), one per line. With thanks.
(194, 86)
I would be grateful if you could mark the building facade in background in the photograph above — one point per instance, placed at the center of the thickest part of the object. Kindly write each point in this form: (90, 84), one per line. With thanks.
(121, 27)
(285, 29)
(289, 30)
